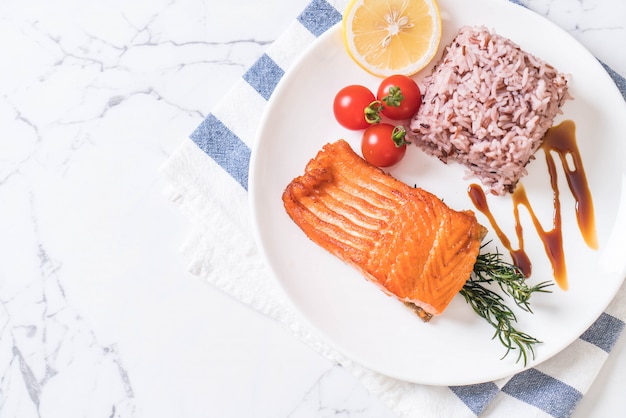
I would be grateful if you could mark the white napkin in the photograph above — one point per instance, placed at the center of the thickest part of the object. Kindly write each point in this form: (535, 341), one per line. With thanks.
(208, 180)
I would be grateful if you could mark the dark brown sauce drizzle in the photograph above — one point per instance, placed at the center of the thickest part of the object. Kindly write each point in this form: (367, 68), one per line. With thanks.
(519, 256)
(561, 140)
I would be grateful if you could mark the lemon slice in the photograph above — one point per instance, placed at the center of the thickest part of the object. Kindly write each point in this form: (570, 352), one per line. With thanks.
(388, 37)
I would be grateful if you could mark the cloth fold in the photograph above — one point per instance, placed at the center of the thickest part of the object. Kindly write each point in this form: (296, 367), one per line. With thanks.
(208, 179)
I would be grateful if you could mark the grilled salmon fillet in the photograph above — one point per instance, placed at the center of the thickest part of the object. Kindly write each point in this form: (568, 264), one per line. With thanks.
(404, 239)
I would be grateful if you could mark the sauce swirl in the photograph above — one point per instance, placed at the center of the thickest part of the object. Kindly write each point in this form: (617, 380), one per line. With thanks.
(560, 140)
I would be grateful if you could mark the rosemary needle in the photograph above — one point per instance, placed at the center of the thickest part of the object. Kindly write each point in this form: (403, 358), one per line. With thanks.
(488, 304)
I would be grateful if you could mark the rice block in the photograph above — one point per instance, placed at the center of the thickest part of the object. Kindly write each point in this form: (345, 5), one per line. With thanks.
(487, 105)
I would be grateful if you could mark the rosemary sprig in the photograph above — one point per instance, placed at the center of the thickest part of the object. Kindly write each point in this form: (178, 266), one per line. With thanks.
(488, 304)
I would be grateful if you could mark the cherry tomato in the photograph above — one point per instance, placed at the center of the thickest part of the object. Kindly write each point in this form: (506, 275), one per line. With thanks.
(349, 106)
(400, 97)
(383, 144)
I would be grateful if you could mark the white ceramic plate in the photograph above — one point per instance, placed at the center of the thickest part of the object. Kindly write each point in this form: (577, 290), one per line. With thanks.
(354, 315)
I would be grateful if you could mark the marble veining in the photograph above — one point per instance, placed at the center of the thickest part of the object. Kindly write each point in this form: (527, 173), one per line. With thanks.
(324, 400)
(98, 317)
(49, 355)
(591, 22)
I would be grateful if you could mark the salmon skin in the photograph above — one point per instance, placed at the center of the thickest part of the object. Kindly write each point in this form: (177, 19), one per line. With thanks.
(404, 239)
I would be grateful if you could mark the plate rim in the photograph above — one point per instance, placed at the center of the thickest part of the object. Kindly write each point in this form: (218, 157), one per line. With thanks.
(254, 164)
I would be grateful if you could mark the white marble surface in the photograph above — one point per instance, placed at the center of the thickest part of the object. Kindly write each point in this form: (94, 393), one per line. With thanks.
(98, 316)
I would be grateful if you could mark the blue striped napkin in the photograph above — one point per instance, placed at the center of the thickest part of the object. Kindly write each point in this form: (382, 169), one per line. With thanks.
(209, 179)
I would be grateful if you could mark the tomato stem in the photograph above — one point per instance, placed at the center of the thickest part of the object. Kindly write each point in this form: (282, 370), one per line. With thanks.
(399, 136)
(372, 112)
(394, 97)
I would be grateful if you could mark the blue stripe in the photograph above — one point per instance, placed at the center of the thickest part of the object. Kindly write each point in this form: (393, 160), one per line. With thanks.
(234, 155)
(221, 144)
(264, 75)
(544, 392)
(604, 332)
(620, 81)
(319, 16)
(476, 397)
